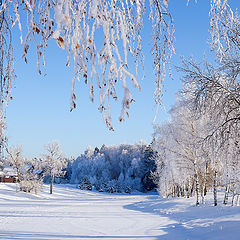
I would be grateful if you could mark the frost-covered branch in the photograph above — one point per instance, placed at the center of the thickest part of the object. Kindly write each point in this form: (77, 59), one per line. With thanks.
(102, 37)
(104, 40)
(225, 29)
(6, 70)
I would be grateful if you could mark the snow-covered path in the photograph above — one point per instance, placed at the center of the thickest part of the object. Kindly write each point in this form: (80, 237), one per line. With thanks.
(73, 214)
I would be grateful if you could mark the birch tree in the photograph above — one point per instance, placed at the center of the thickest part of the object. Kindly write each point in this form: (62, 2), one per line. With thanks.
(53, 162)
(214, 90)
(180, 140)
(213, 94)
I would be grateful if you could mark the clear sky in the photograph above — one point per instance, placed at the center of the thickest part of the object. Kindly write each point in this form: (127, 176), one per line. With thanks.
(39, 112)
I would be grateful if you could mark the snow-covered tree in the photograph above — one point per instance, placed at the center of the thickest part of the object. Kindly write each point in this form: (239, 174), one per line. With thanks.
(214, 92)
(114, 168)
(53, 162)
(179, 144)
(16, 160)
(149, 167)
(201, 140)
(25, 169)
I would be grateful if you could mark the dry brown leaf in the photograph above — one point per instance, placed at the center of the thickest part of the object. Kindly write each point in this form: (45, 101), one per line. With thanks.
(74, 96)
(85, 76)
(139, 87)
(26, 49)
(73, 106)
(60, 42)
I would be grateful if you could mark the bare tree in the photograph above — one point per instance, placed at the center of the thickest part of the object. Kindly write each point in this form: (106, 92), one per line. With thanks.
(16, 160)
(53, 162)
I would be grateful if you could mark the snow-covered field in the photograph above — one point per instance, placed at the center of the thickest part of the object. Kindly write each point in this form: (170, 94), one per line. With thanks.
(71, 213)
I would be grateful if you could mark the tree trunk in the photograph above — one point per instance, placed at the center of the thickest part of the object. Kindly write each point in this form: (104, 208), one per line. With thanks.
(178, 191)
(197, 183)
(238, 200)
(203, 197)
(174, 191)
(197, 189)
(18, 175)
(192, 189)
(183, 191)
(203, 192)
(225, 201)
(206, 178)
(205, 189)
(233, 198)
(215, 188)
(188, 189)
(51, 183)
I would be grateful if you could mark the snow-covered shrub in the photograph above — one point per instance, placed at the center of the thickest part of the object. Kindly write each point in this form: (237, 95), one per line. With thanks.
(28, 186)
(85, 184)
(100, 186)
(127, 189)
(31, 181)
(113, 186)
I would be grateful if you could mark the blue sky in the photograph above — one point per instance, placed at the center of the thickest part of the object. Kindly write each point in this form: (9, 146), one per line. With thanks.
(39, 112)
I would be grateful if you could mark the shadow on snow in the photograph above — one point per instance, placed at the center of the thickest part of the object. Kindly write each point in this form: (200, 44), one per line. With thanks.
(191, 222)
(42, 236)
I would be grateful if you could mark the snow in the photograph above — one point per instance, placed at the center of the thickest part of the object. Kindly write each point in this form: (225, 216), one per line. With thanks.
(71, 213)
(8, 171)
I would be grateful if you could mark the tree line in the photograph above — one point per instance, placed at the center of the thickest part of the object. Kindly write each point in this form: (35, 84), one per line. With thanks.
(123, 168)
(199, 146)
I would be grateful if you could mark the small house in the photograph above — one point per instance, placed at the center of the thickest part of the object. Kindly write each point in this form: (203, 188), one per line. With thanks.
(7, 175)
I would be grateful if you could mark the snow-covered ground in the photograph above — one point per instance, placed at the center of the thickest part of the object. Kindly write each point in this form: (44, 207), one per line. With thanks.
(71, 213)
